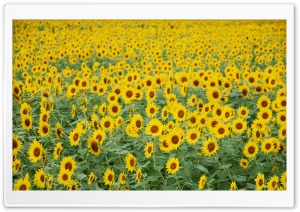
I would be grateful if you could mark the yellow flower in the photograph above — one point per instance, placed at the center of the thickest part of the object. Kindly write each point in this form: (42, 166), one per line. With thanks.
(74, 137)
(44, 129)
(260, 181)
(26, 122)
(64, 177)
(57, 150)
(149, 149)
(283, 180)
(154, 128)
(122, 178)
(35, 151)
(233, 186)
(172, 165)
(22, 184)
(202, 182)
(69, 164)
(251, 149)
(138, 175)
(239, 126)
(130, 162)
(40, 178)
(91, 178)
(192, 136)
(108, 177)
(244, 163)
(16, 144)
(93, 145)
(59, 131)
(272, 183)
(210, 147)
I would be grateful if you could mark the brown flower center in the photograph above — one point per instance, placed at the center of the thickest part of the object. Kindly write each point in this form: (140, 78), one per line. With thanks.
(138, 123)
(268, 146)
(193, 136)
(115, 109)
(107, 124)
(132, 162)
(76, 136)
(68, 166)
(260, 182)
(149, 149)
(129, 94)
(264, 103)
(65, 177)
(216, 94)
(283, 103)
(23, 187)
(251, 149)
(45, 129)
(43, 178)
(15, 144)
(173, 166)
(221, 131)
(265, 115)
(152, 110)
(180, 113)
(37, 152)
(175, 139)
(154, 129)
(95, 146)
(27, 122)
(273, 184)
(211, 146)
(151, 94)
(239, 126)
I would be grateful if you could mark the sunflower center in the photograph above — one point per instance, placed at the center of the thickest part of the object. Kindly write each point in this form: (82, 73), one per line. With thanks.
(251, 79)
(101, 90)
(115, 109)
(173, 166)
(180, 113)
(239, 126)
(245, 92)
(214, 123)
(168, 90)
(260, 182)
(15, 144)
(221, 131)
(123, 178)
(165, 113)
(69, 166)
(65, 177)
(45, 129)
(154, 129)
(129, 94)
(219, 112)
(151, 94)
(183, 79)
(265, 115)
(84, 84)
(152, 110)
(193, 120)
(42, 178)
(211, 146)
(27, 122)
(17, 166)
(107, 124)
(23, 187)
(226, 85)
(149, 149)
(268, 146)
(45, 118)
(118, 91)
(58, 132)
(132, 162)
(16, 90)
(77, 82)
(196, 83)
(273, 184)
(94, 146)
(216, 94)
(58, 151)
(137, 95)
(258, 89)
(193, 136)
(138, 123)
(202, 121)
(37, 152)
(73, 90)
(25, 111)
(243, 112)
(165, 144)
(244, 164)
(283, 132)
(75, 137)
(282, 118)
(112, 98)
(175, 139)
(264, 103)
(251, 149)
(129, 78)
(283, 103)
(73, 187)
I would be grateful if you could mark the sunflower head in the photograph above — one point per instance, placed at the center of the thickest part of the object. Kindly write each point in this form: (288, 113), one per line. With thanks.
(130, 161)
(108, 177)
(172, 165)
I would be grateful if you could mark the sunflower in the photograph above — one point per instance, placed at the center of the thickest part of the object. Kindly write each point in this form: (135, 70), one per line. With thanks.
(130, 162)
(163, 144)
(233, 186)
(91, 178)
(151, 110)
(74, 137)
(69, 164)
(49, 182)
(108, 177)
(213, 95)
(244, 163)
(57, 150)
(192, 100)
(99, 135)
(182, 78)
(26, 122)
(128, 95)
(192, 136)
(40, 178)
(210, 147)
(95, 121)
(93, 145)
(276, 144)
(202, 182)
(102, 109)
(22, 184)
(245, 90)
(35, 151)
(102, 89)
(122, 178)
(164, 113)
(138, 95)
(283, 180)
(118, 121)
(239, 126)
(150, 94)
(264, 115)
(175, 138)
(149, 149)
(263, 102)
(58, 130)
(282, 133)
(267, 146)
(73, 111)
(218, 111)
(107, 123)
(138, 176)
(16, 166)
(114, 109)
(154, 128)
(258, 124)
(251, 149)
(179, 113)
(64, 177)
(44, 129)
(112, 97)
(202, 120)
(260, 181)
(281, 118)
(16, 144)
(137, 121)
(172, 165)
(25, 109)
(272, 183)
(212, 123)
(73, 185)
(221, 130)
(72, 91)
(282, 102)
(243, 112)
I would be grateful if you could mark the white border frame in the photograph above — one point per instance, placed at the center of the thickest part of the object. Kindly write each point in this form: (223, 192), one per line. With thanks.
(147, 198)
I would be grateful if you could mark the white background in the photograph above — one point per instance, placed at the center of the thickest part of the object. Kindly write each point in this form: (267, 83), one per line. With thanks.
(3, 2)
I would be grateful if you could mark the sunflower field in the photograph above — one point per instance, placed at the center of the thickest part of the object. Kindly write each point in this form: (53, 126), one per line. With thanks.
(149, 105)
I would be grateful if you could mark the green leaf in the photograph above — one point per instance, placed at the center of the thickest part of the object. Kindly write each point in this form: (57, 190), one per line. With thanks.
(239, 178)
(81, 176)
(201, 168)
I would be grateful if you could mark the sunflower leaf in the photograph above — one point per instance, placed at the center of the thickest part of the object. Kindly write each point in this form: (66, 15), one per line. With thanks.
(201, 168)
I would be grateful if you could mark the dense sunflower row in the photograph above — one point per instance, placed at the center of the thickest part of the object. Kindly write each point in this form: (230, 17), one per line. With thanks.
(160, 105)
